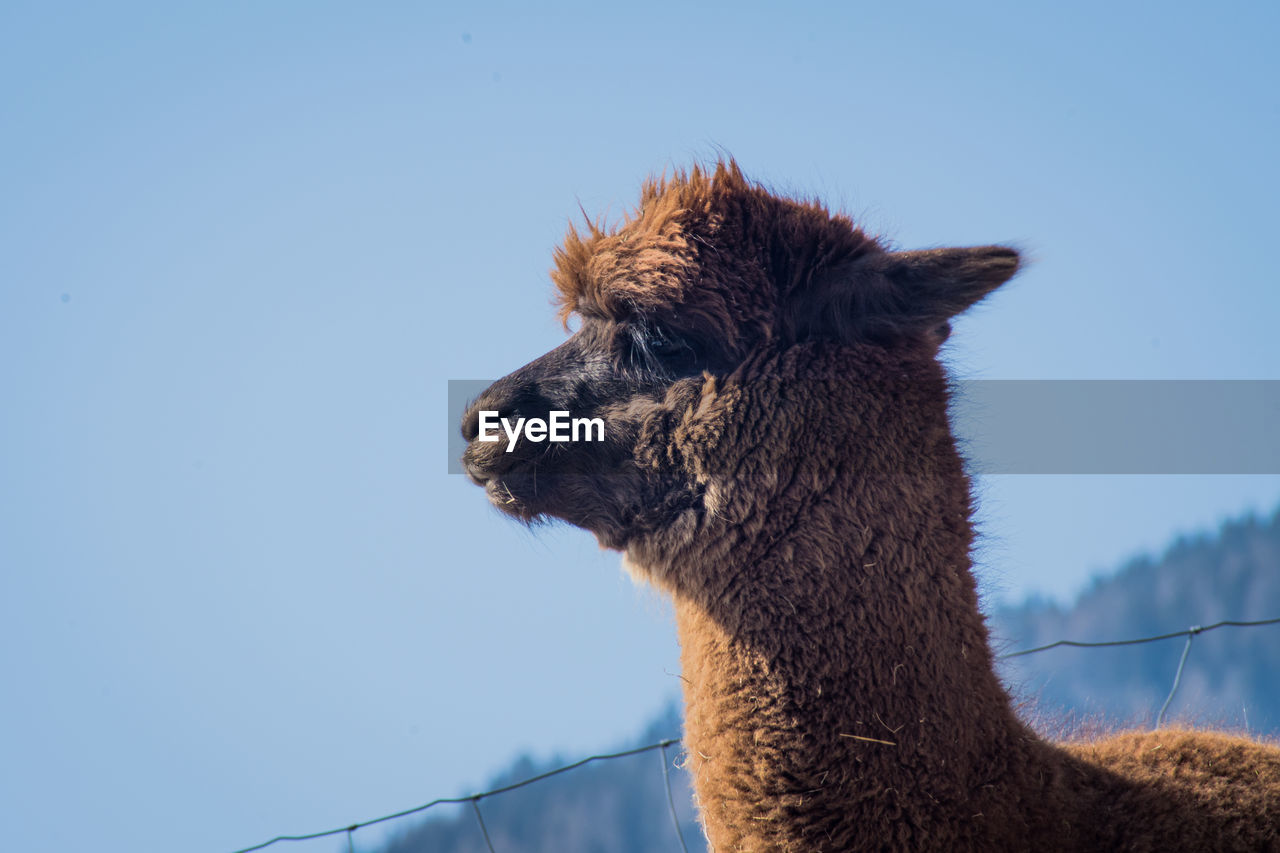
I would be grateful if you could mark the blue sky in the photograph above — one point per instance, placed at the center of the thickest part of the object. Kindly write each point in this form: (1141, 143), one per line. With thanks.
(243, 247)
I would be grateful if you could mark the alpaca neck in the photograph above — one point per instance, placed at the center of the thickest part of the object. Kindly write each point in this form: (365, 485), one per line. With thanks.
(834, 656)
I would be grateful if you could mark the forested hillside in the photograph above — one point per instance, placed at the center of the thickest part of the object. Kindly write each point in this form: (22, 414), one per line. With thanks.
(615, 806)
(1230, 678)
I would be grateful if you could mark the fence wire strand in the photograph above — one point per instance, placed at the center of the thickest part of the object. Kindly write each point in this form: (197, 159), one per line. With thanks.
(1177, 676)
(1197, 630)
(462, 800)
(661, 746)
(671, 801)
(475, 804)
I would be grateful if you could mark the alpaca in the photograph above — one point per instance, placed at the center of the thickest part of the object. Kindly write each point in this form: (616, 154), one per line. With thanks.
(777, 457)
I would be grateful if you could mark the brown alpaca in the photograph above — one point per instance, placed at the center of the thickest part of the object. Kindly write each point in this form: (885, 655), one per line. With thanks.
(777, 457)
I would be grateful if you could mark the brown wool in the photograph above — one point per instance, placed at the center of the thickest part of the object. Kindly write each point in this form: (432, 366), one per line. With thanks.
(804, 505)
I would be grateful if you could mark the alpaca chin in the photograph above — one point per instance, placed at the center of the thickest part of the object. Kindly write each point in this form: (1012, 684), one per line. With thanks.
(639, 575)
(649, 558)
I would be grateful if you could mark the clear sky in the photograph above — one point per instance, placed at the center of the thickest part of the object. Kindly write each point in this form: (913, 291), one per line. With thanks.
(243, 246)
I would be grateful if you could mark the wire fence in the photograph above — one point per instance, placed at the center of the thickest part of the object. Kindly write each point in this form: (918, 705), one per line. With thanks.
(474, 799)
(1190, 633)
(661, 746)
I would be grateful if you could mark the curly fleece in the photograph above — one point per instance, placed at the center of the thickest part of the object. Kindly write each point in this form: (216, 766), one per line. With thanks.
(839, 686)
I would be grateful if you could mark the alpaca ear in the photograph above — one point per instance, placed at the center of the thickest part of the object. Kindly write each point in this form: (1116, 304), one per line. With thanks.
(937, 284)
(890, 296)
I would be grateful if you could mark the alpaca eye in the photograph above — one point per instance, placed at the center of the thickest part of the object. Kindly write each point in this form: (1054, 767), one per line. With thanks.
(665, 347)
(672, 351)
(650, 345)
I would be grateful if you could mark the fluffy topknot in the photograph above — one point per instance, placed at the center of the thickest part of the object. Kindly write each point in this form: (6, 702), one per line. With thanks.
(705, 243)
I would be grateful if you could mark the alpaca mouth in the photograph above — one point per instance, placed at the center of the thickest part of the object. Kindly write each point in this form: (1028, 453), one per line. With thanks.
(512, 488)
(521, 494)
(482, 466)
(534, 491)
(501, 496)
(476, 474)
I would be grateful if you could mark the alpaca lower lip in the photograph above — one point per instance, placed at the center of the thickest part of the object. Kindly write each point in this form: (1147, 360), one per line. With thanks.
(502, 497)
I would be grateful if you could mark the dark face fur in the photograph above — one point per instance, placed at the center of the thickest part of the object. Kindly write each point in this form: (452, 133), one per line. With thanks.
(709, 273)
(628, 372)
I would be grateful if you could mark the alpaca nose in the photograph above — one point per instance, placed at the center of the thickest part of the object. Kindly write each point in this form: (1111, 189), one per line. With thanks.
(482, 462)
(471, 423)
(525, 403)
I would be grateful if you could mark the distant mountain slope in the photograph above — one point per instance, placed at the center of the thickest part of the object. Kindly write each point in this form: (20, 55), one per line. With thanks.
(1232, 678)
(1232, 675)
(615, 806)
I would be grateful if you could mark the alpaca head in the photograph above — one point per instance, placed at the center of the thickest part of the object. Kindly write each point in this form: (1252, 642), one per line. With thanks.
(709, 274)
